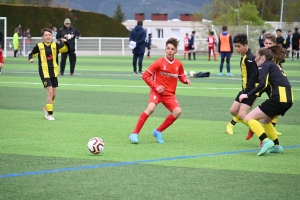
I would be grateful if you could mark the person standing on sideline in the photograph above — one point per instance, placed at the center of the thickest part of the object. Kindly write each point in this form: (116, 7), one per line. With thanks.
(148, 44)
(16, 44)
(186, 45)
(70, 33)
(225, 49)
(261, 39)
(167, 71)
(54, 33)
(27, 37)
(47, 52)
(295, 44)
(279, 39)
(2, 45)
(288, 43)
(211, 45)
(192, 46)
(138, 34)
(20, 34)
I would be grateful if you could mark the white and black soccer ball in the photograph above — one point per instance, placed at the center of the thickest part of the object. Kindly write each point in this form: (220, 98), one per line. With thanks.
(95, 145)
(192, 73)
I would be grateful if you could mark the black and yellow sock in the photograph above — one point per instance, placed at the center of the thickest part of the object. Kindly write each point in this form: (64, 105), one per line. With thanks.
(244, 121)
(274, 121)
(270, 131)
(234, 120)
(257, 128)
(49, 108)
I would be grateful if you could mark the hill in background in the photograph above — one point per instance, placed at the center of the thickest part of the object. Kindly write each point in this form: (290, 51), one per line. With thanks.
(172, 7)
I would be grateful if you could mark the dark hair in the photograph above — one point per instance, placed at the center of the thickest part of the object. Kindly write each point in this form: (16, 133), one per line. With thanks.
(149, 34)
(240, 38)
(296, 29)
(224, 28)
(46, 30)
(278, 30)
(271, 37)
(263, 31)
(172, 41)
(140, 23)
(193, 32)
(275, 52)
(211, 32)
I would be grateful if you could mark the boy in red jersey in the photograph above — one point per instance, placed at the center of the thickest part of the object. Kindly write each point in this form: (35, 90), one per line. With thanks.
(186, 45)
(1, 59)
(211, 45)
(162, 77)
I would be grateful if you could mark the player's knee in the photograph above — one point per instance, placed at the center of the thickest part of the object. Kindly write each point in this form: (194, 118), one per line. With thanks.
(222, 60)
(228, 60)
(176, 112)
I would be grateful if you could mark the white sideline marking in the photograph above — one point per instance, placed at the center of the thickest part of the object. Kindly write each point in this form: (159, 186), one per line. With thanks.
(124, 86)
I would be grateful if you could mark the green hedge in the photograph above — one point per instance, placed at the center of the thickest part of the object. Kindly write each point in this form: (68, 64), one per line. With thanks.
(37, 17)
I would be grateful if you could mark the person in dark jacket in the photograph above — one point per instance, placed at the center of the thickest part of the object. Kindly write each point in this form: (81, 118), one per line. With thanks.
(288, 43)
(138, 34)
(148, 44)
(261, 39)
(191, 46)
(295, 44)
(70, 33)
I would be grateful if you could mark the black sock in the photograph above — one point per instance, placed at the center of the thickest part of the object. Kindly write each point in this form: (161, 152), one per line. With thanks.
(233, 122)
(263, 136)
(276, 142)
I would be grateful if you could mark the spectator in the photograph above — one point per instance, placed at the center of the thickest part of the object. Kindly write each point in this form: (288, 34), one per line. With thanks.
(262, 39)
(138, 34)
(16, 44)
(1, 55)
(186, 45)
(27, 37)
(295, 44)
(54, 33)
(288, 43)
(20, 35)
(191, 46)
(225, 48)
(70, 33)
(279, 39)
(148, 44)
(211, 45)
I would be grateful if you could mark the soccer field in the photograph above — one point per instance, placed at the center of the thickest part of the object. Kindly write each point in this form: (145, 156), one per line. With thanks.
(41, 159)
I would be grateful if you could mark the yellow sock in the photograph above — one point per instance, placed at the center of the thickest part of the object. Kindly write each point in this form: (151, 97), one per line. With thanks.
(49, 108)
(236, 118)
(275, 120)
(53, 101)
(244, 121)
(256, 127)
(270, 131)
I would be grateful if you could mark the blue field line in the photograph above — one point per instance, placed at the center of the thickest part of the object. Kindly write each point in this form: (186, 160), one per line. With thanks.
(118, 164)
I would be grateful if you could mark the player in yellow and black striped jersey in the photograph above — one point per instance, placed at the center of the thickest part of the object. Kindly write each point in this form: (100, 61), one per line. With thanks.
(47, 52)
(280, 101)
(249, 74)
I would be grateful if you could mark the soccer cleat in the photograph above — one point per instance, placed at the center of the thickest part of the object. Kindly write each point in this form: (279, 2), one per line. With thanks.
(278, 133)
(250, 134)
(140, 72)
(72, 74)
(134, 72)
(134, 138)
(276, 149)
(220, 74)
(46, 112)
(267, 144)
(158, 136)
(229, 74)
(61, 73)
(229, 128)
(51, 118)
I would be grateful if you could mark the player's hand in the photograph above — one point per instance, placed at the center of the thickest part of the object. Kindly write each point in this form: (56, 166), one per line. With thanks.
(1, 65)
(160, 89)
(243, 96)
(31, 60)
(63, 39)
(66, 36)
(188, 82)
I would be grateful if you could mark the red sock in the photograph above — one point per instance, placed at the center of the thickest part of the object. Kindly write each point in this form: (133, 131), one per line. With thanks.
(168, 121)
(140, 123)
(184, 55)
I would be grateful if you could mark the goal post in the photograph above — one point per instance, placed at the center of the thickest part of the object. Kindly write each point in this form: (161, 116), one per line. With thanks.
(3, 28)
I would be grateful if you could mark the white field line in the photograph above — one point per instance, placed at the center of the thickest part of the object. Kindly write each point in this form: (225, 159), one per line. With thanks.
(122, 86)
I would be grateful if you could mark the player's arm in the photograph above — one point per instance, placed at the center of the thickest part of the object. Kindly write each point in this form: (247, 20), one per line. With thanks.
(34, 52)
(252, 70)
(147, 78)
(76, 34)
(182, 77)
(142, 39)
(263, 80)
(231, 44)
(60, 34)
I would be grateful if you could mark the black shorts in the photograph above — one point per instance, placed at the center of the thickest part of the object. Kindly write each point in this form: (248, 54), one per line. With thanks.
(47, 82)
(191, 48)
(248, 101)
(273, 108)
(295, 47)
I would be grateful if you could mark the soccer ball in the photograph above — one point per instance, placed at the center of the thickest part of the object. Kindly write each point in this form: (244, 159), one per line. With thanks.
(95, 145)
(192, 74)
(185, 73)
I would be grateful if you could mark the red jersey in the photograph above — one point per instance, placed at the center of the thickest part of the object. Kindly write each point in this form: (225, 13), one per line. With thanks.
(186, 41)
(211, 40)
(1, 56)
(165, 73)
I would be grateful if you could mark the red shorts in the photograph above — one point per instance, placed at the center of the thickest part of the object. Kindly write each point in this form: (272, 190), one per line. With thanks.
(169, 101)
(186, 48)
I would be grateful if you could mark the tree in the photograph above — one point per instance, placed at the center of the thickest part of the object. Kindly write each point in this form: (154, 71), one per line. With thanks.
(119, 15)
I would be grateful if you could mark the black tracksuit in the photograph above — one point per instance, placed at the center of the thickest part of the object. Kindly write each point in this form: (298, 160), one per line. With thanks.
(71, 46)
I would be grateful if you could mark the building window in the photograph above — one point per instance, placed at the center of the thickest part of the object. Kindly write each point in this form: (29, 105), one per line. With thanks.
(160, 33)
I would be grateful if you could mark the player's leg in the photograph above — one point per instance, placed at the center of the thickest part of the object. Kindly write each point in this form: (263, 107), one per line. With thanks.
(252, 120)
(141, 57)
(171, 103)
(234, 110)
(222, 63)
(209, 51)
(72, 57)
(63, 63)
(134, 63)
(189, 54)
(228, 55)
(194, 53)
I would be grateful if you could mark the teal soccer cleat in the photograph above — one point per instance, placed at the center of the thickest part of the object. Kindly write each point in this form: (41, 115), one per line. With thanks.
(158, 136)
(267, 144)
(276, 149)
(134, 138)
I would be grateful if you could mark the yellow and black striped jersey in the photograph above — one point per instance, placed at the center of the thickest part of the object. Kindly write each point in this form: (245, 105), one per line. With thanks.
(249, 72)
(273, 75)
